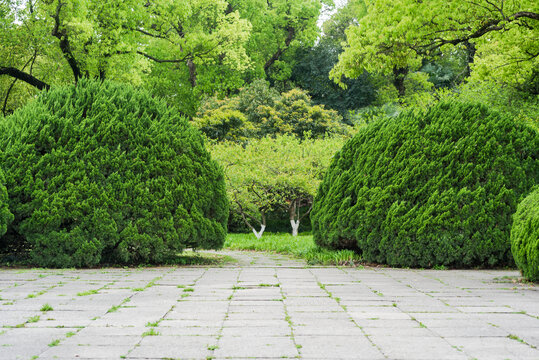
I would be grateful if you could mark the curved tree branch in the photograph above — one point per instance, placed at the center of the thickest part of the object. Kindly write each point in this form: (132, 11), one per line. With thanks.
(27, 78)
(488, 26)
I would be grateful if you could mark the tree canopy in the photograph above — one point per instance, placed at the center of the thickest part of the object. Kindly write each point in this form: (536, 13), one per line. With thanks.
(500, 38)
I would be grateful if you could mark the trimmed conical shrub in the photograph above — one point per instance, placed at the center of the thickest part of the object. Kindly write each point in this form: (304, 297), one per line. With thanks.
(102, 173)
(426, 189)
(5, 215)
(525, 236)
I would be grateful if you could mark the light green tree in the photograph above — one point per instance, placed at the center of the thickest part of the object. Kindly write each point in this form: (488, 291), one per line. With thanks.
(268, 174)
(172, 47)
(501, 38)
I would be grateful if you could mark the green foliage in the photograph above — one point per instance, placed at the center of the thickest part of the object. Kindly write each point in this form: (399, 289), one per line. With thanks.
(525, 236)
(500, 36)
(301, 246)
(429, 188)
(273, 174)
(314, 64)
(279, 28)
(311, 73)
(101, 173)
(6, 217)
(259, 111)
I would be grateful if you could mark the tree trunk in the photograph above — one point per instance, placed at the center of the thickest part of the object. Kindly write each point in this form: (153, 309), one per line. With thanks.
(399, 74)
(295, 227)
(291, 35)
(470, 55)
(192, 72)
(258, 234)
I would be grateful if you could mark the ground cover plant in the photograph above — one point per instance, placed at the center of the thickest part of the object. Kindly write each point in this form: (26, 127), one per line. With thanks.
(429, 188)
(301, 246)
(525, 236)
(100, 173)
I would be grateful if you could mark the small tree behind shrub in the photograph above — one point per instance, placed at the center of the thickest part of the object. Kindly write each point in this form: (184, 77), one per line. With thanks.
(101, 173)
(426, 189)
(525, 236)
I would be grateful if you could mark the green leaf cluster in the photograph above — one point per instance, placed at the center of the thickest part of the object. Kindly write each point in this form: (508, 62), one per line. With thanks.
(429, 188)
(525, 236)
(102, 173)
(259, 111)
(500, 36)
(6, 217)
(272, 174)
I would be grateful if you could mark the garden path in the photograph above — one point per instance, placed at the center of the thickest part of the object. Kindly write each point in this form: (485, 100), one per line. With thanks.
(267, 306)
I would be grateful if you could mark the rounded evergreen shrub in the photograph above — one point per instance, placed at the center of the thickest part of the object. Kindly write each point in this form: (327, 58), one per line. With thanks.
(427, 189)
(525, 236)
(5, 215)
(102, 173)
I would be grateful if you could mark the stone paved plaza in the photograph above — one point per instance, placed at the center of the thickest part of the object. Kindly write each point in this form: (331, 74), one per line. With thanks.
(267, 306)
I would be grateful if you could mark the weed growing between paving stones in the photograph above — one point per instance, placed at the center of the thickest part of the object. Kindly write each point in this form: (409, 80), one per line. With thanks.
(301, 246)
(151, 332)
(516, 338)
(89, 292)
(33, 319)
(54, 343)
(46, 307)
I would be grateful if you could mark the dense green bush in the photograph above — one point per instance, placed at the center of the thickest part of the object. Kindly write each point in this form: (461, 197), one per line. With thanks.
(5, 215)
(525, 236)
(426, 189)
(101, 173)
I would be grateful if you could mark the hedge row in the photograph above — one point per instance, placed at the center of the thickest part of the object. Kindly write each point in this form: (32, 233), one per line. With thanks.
(429, 188)
(101, 173)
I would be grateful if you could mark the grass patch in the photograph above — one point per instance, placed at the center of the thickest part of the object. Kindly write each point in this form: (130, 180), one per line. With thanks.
(46, 307)
(33, 319)
(55, 343)
(151, 332)
(301, 246)
(89, 292)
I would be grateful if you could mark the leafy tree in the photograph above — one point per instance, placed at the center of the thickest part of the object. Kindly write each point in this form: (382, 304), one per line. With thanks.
(294, 113)
(435, 187)
(274, 174)
(259, 111)
(101, 173)
(525, 236)
(280, 27)
(311, 73)
(499, 38)
(182, 45)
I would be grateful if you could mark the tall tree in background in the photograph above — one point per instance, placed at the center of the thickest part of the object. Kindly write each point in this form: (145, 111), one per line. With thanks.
(280, 27)
(173, 47)
(314, 64)
(500, 38)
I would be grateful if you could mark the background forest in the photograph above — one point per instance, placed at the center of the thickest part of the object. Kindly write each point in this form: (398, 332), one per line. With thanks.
(278, 86)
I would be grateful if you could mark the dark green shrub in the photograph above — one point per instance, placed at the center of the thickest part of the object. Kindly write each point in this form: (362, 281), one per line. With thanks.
(5, 215)
(525, 236)
(101, 173)
(426, 189)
